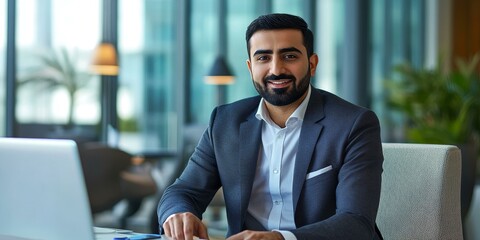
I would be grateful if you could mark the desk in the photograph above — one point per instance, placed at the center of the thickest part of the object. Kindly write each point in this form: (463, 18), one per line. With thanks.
(100, 234)
(111, 233)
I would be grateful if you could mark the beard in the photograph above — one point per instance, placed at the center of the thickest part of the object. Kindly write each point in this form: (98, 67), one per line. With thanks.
(283, 96)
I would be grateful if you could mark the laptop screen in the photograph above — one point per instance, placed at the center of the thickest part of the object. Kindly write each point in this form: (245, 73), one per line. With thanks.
(42, 190)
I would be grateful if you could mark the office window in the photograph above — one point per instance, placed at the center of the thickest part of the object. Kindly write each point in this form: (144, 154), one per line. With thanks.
(147, 110)
(294, 7)
(203, 50)
(397, 35)
(241, 13)
(328, 43)
(3, 43)
(60, 31)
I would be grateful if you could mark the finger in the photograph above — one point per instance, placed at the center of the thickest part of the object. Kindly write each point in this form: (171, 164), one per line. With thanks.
(188, 229)
(246, 234)
(166, 229)
(179, 234)
(193, 226)
(202, 231)
(235, 237)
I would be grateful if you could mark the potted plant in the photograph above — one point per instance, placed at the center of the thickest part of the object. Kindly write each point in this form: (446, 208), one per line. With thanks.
(441, 107)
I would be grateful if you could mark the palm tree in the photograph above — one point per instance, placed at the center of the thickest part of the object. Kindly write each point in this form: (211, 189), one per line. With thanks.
(58, 69)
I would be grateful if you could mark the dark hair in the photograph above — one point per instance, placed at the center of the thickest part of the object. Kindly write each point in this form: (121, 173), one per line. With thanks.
(281, 21)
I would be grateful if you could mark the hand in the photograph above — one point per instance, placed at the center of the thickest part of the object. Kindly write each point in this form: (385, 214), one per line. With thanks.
(184, 226)
(256, 235)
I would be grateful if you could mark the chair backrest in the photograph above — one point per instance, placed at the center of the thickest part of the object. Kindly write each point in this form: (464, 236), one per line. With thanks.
(102, 168)
(420, 196)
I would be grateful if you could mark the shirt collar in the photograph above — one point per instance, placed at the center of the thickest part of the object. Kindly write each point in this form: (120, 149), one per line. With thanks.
(298, 114)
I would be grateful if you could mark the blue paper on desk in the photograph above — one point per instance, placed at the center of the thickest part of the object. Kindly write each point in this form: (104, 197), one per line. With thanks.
(140, 237)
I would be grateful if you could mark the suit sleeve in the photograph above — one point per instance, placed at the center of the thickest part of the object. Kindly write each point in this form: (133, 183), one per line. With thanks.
(196, 186)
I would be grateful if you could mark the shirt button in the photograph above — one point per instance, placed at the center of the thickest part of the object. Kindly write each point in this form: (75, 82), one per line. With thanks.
(277, 202)
(275, 171)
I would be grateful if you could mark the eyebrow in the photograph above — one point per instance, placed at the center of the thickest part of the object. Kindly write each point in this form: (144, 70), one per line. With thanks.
(262, 51)
(283, 50)
(290, 49)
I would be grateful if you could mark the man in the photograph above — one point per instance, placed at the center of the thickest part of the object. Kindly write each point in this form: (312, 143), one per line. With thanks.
(295, 162)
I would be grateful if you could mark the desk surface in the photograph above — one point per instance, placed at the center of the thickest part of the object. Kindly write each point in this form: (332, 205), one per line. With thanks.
(100, 234)
(111, 233)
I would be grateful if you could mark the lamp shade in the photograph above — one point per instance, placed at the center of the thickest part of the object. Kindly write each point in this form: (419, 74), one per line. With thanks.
(220, 73)
(104, 60)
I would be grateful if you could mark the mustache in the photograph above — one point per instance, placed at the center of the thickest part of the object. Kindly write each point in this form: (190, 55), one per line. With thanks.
(279, 77)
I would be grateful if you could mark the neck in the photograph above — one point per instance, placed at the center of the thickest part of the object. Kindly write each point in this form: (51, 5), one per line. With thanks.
(280, 114)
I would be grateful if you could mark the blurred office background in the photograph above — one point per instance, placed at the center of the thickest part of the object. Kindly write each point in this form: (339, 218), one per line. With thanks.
(158, 103)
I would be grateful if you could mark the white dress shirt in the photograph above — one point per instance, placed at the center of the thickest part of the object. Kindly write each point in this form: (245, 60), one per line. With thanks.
(271, 202)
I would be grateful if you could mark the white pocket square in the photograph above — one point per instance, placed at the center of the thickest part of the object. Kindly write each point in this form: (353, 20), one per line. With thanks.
(318, 172)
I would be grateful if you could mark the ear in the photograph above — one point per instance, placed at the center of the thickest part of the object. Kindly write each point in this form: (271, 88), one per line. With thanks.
(249, 65)
(313, 64)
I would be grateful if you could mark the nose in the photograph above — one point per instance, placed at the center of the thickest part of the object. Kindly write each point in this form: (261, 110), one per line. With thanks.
(277, 66)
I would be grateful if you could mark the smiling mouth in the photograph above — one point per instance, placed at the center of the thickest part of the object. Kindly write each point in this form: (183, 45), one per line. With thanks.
(279, 83)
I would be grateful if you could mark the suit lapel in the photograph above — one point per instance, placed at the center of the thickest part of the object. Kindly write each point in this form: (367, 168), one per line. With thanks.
(250, 140)
(309, 135)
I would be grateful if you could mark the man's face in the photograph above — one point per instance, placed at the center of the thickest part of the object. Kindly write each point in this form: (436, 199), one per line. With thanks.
(279, 65)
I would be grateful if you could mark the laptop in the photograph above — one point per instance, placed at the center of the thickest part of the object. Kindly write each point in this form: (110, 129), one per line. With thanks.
(42, 190)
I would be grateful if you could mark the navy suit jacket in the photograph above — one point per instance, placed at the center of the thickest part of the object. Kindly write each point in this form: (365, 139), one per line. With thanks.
(339, 204)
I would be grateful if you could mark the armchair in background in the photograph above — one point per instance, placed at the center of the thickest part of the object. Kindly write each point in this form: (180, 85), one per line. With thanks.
(420, 195)
(110, 177)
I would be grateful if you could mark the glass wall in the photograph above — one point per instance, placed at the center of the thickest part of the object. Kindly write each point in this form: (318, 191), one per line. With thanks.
(203, 41)
(240, 14)
(54, 45)
(294, 7)
(328, 43)
(3, 43)
(148, 117)
(397, 36)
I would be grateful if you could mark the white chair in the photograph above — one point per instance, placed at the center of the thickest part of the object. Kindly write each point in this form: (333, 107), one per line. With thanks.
(420, 195)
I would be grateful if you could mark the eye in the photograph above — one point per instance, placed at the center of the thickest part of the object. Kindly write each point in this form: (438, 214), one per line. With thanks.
(262, 58)
(290, 56)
